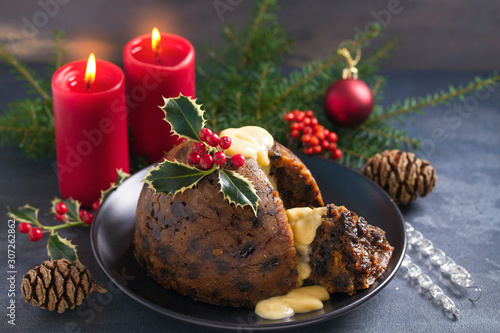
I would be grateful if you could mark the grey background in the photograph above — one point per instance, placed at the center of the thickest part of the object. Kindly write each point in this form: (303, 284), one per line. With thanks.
(445, 34)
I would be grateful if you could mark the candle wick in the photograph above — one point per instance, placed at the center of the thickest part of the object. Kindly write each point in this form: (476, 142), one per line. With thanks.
(157, 55)
(88, 85)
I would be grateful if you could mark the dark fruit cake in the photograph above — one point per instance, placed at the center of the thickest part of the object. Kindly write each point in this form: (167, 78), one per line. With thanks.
(201, 246)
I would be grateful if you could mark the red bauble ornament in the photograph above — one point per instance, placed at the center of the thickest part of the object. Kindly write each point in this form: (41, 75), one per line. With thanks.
(349, 102)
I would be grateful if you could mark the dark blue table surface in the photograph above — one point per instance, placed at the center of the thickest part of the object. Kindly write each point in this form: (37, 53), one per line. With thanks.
(461, 216)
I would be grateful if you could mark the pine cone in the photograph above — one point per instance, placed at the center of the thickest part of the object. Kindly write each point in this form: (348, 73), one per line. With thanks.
(401, 174)
(58, 285)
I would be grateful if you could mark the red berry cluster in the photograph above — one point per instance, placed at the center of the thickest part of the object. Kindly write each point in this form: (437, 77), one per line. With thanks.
(315, 138)
(85, 215)
(210, 150)
(35, 233)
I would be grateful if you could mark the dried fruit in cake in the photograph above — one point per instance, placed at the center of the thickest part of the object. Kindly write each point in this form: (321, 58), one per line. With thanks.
(347, 254)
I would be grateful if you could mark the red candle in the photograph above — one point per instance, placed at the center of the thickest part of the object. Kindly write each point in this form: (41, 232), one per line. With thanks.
(155, 69)
(90, 120)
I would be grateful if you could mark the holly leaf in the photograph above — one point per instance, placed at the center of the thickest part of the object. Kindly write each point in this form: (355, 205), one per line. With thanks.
(25, 213)
(59, 248)
(174, 177)
(238, 190)
(184, 116)
(113, 186)
(73, 208)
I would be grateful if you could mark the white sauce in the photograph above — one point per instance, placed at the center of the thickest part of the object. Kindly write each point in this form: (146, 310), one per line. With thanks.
(300, 300)
(304, 222)
(250, 141)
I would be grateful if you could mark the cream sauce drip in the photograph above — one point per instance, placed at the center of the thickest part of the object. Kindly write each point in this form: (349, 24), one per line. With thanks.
(304, 222)
(250, 141)
(300, 300)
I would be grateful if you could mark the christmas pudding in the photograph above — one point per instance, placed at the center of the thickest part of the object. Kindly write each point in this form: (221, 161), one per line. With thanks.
(245, 221)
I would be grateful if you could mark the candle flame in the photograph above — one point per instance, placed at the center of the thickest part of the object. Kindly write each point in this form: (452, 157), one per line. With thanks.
(155, 40)
(90, 72)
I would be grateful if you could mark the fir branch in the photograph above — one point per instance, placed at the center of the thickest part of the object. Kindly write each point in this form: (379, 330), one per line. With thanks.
(26, 73)
(382, 52)
(230, 34)
(356, 154)
(377, 86)
(261, 88)
(389, 135)
(436, 99)
(256, 24)
(59, 50)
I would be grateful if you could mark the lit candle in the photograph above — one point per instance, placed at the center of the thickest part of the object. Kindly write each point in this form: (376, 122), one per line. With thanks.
(156, 66)
(90, 127)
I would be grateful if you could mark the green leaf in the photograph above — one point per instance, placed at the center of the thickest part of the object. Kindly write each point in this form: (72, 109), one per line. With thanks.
(237, 189)
(184, 116)
(174, 177)
(73, 208)
(113, 186)
(25, 213)
(59, 248)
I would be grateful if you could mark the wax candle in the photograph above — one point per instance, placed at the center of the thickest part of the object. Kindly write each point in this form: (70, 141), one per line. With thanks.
(90, 120)
(153, 70)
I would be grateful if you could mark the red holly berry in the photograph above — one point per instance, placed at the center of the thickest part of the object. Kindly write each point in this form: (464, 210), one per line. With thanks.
(193, 158)
(35, 234)
(308, 150)
(294, 126)
(87, 219)
(295, 133)
(61, 217)
(305, 138)
(307, 130)
(336, 154)
(332, 147)
(95, 205)
(320, 135)
(61, 208)
(319, 128)
(225, 142)
(238, 160)
(307, 121)
(332, 137)
(314, 141)
(314, 121)
(213, 140)
(204, 133)
(206, 162)
(300, 116)
(317, 149)
(82, 213)
(288, 117)
(309, 114)
(24, 227)
(200, 148)
(219, 158)
(325, 144)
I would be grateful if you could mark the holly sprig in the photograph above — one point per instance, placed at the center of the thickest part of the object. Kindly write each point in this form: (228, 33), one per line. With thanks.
(68, 212)
(186, 119)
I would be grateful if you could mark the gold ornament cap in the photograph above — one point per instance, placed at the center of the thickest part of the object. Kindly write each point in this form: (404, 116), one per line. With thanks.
(350, 72)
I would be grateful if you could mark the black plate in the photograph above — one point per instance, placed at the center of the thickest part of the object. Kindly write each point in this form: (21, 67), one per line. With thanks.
(112, 235)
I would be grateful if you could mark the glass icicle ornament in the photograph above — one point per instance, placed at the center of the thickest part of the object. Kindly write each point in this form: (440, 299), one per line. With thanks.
(458, 275)
(425, 282)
